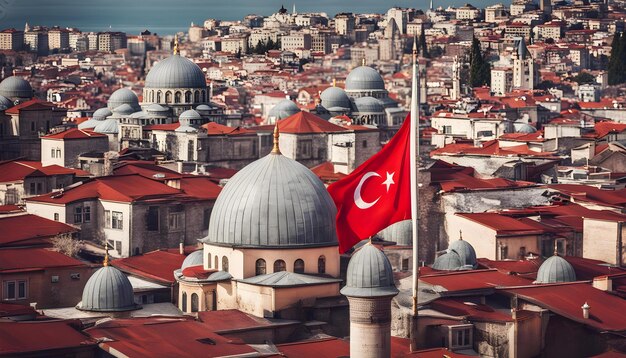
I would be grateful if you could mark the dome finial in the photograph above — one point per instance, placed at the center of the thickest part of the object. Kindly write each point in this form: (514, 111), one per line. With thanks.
(461, 235)
(276, 149)
(176, 52)
(334, 82)
(556, 251)
(106, 254)
(363, 62)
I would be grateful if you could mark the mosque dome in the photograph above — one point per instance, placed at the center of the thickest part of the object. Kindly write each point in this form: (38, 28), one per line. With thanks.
(364, 78)
(466, 252)
(450, 261)
(108, 126)
(401, 233)
(108, 290)
(139, 115)
(368, 105)
(283, 109)
(15, 87)
(369, 274)
(274, 202)
(190, 115)
(335, 97)
(524, 128)
(204, 107)
(193, 259)
(123, 96)
(555, 269)
(5, 102)
(123, 110)
(156, 108)
(175, 72)
(88, 124)
(101, 114)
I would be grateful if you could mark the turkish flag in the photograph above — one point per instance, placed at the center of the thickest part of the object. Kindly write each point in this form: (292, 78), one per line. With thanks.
(377, 194)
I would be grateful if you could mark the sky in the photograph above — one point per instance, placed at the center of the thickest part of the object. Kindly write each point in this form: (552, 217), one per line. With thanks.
(170, 16)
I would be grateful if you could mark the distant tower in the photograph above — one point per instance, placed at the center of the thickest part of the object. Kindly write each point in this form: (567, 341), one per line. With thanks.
(423, 85)
(294, 9)
(27, 27)
(524, 70)
(370, 288)
(431, 5)
(456, 79)
(545, 6)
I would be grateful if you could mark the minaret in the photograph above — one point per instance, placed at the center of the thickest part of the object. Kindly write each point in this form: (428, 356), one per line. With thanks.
(456, 79)
(370, 288)
(431, 5)
(294, 9)
(27, 27)
(176, 52)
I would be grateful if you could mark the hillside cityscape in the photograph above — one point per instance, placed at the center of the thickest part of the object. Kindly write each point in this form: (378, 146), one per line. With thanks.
(191, 194)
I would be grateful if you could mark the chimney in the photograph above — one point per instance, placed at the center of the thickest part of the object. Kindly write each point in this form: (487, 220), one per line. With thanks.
(585, 308)
(181, 248)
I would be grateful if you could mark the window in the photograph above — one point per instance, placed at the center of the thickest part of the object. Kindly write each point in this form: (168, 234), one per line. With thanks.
(184, 302)
(153, 218)
(305, 148)
(321, 264)
(225, 263)
(175, 221)
(107, 219)
(32, 127)
(177, 97)
(405, 264)
(364, 144)
(460, 337)
(87, 214)
(39, 188)
(206, 219)
(504, 252)
(279, 265)
(32, 189)
(260, 267)
(78, 215)
(298, 266)
(208, 261)
(117, 220)
(56, 216)
(447, 129)
(217, 260)
(194, 302)
(58, 153)
(14, 290)
(52, 153)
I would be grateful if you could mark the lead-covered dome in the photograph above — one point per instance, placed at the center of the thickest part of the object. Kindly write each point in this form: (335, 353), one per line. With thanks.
(335, 97)
(15, 87)
(466, 252)
(401, 233)
(107, 126)
(283, 109)
(123, 96)
(175, 72)
(101, 114)
(108, 290)
(5, 102)
(450, 261)
(555, 269)
(274, 202)
(364, 78)
(369, 274)
(368, 105)
(193, 259)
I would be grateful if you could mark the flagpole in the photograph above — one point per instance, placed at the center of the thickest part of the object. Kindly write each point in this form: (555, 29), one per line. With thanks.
(414, 154)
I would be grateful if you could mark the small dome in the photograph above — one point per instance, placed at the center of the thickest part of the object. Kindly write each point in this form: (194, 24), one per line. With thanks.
(123, 96)
(364, 78)
(108, 126)
(175, 72)
(368, 105)
(123, 110)
(88, 124)
(369, 274)
(5, 102)
(156, 108)
(401, 233)
(555, 269)
(193, 259)
(108, 290)
(139, 114)
(524, 128)
(190, 115)
(335, 97)
(450, 261)
(273, 202)
(15, 87)
(101, 114)
(185, 128)
(465, 251)
(283, 109)
(204, 108)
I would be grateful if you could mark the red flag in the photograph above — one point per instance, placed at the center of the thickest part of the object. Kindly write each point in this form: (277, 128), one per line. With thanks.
(377, 194)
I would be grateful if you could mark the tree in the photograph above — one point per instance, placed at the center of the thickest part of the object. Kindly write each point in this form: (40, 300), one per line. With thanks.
(616, 64)
(66, 244)
(584, 77)
(423, 48)
(480, 69)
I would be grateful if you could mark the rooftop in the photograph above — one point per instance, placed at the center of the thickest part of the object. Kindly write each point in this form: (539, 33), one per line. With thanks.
(154, 266)
(30, 230)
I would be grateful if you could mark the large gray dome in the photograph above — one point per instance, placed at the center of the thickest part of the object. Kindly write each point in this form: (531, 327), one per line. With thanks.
(15, 87)
(283, 109)
(401, 233)
(101, 114)
(5, 102)
(108, 290)
(335, 97)
(364, 78)
(190, 115)
(193, 259)
(524, 128)
(274, 202)
(555, 269)
(368, 105)
(466, 252)
(175, 72)
(369, 274)
(108, 126)
(123, 96)
(450, 261)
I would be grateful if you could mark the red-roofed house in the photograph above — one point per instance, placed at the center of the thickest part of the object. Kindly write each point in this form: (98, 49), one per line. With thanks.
(45, 338)
(64, 148)
(134, 213)
(31, 230)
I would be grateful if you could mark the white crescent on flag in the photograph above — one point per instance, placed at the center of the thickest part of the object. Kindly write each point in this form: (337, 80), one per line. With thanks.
(358, 200)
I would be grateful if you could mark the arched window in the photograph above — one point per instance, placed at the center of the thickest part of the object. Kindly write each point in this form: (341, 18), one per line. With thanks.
(260, 267)
(177, 97)
(225, 263)
(188, 97)
(216, 263)
(158, 97)
(321, 264)
(184, 303)
(194, 302)
(204, 97)
(196, 96)
(209, 260)
(168, 97)
(279, 265)
(298, 266)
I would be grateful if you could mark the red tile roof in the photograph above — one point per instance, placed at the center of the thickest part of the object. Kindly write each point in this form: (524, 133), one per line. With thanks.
(75, 133)
(146, 169)
(473, 311)
(17, 170)
(40, 337)
(585, 193)
(14, 309)
(201, 187)
(329, 347)
(511, 266)
(161, 127)
(30, 105)
(153, 266)
(326, 172)
(216, 129)
(602, 129)
(607, 312)
(34, 259)
(490, 148)
(458, 281)
(30, 229)
(305, 122)
(226, 320)
(503, 225)
(161, 337)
